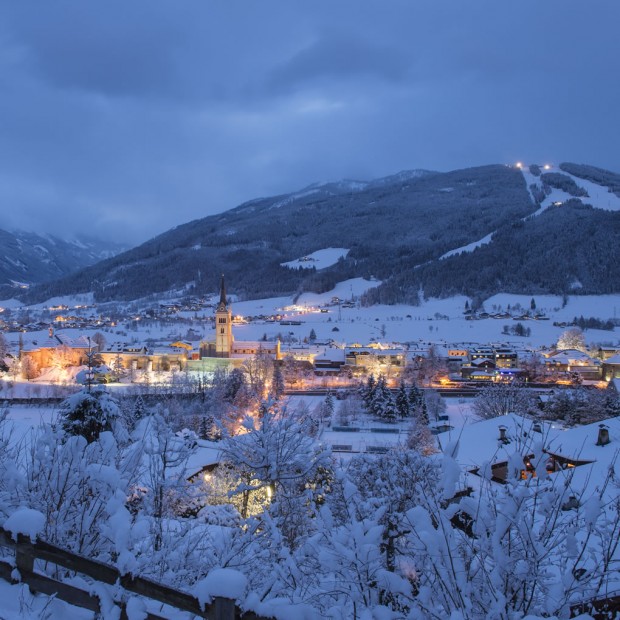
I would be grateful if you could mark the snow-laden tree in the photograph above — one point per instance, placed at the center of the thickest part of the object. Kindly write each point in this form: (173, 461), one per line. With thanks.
(420, 438)
(513, 550)
(4, 347)
(572, 338)
(499, 399)
(367, 390)
(357, 563)
(277, 454)
(581, 405)
(258, 370)
(403, 408)
(89, 413)
(77, 485)
(277, 381)
(11, 477)
(166, 491)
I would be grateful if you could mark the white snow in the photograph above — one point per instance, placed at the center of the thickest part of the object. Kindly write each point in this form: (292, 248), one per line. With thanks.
(11, 303)
(319, 259)
(598, 196)
(469, 247)
(224, 582)
(293, 198)
(25, 521)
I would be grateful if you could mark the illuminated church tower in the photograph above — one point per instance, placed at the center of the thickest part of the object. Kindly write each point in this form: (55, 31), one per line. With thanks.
(223, 325)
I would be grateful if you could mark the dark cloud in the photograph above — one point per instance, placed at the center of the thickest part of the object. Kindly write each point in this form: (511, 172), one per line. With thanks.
(128, 118)
(340, 56)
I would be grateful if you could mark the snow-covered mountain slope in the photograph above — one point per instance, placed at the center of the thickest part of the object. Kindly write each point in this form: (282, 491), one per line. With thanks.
(489, 233)
(321, 259)
(30, 258)
(594, 194)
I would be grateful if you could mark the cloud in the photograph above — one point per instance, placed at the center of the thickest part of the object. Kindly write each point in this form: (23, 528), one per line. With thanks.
(339, 56)
(129, 118)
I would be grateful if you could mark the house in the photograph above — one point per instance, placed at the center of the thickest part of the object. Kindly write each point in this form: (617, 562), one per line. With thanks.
(498, 446)
(574, 362)
(605, 352)
(374, 359)
(330, 361)
(57, 348)
(610, 368)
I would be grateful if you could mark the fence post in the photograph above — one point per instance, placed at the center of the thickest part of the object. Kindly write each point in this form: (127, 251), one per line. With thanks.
(223, 608)
(24, 554)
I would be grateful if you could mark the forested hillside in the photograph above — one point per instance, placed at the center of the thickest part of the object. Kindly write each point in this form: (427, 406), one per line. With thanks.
(27, 258)
(396, 228)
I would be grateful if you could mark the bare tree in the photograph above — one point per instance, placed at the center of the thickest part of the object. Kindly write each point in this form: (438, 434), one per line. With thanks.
(572, 338)
(99, 340)
(501, 399)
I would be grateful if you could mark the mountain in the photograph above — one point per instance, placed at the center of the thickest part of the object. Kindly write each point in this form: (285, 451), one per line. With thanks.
(475, 231)
(29, 258)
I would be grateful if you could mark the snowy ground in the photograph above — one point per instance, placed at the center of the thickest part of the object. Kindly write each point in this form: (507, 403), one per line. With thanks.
(434, 321)
(16, 601)
(319, 259)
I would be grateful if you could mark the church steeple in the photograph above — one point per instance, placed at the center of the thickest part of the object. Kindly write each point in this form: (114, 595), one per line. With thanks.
(223, 324)
(223, 292)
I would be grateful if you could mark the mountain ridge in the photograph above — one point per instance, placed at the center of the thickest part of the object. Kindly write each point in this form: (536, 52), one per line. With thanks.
(28, 258)
(396, 228)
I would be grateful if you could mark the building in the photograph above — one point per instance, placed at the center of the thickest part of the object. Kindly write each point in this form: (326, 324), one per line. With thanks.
(611, 368)
(57, 349)
(224, 345)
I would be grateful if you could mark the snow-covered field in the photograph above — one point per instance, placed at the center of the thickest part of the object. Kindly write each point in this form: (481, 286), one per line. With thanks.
(319, 259)
(433, 321)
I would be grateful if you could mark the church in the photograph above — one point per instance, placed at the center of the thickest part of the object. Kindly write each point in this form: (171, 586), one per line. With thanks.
(224, 346)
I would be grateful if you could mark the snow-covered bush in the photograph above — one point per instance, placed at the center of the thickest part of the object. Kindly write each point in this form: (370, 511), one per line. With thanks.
(88, 413)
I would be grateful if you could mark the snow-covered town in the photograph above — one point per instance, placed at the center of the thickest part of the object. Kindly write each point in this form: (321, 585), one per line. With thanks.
(309, 310)
(393, 457)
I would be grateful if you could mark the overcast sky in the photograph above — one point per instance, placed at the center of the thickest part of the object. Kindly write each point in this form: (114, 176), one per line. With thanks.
(124, 119)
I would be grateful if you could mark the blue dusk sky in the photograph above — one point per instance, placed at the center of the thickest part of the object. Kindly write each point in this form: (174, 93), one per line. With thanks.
(122, 119)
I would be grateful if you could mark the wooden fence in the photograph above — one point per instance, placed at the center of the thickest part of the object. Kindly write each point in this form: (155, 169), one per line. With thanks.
(27, 552)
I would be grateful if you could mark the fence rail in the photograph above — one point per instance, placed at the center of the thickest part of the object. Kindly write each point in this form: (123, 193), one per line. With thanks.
(27, 552)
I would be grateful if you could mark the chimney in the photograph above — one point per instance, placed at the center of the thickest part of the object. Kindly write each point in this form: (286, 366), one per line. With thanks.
(502, 434)
(603, 435)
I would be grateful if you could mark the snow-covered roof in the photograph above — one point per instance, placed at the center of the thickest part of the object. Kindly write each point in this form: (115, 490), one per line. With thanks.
(579, 443)
(331, 355)
(613, 360)
(574, 354)
(479, 441)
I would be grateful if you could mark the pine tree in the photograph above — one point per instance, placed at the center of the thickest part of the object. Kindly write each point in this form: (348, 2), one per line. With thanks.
(328, 406)
(402, 402)
(381, 398)
(139, 408)
(367, 392)
(423, 414)
(312, 336)
(90, 413)
(415, 398)
(389, 413)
